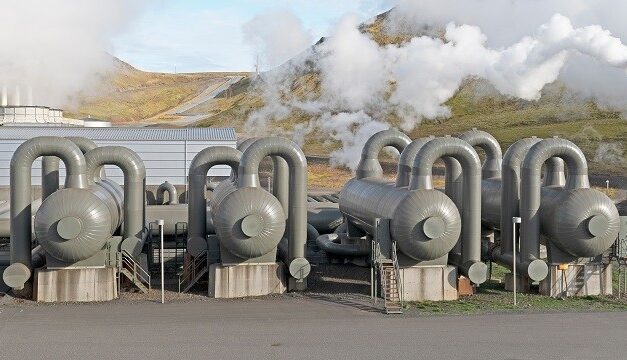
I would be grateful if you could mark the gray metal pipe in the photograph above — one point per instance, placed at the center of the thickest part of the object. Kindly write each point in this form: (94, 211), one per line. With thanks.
(134, 190)
(492, 165)
(172, 194)
(331, 244)
(369, 165)
(198, 169)
(406, 160)
(471, 265)
(510, 188)
(50, 166)
(248, 176)
(49, 176)
(554, 173)
(280, 175)
(18, 273)
(530, 187)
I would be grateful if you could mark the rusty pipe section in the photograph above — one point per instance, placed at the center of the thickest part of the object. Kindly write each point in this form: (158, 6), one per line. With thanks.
(369, 165)
(19, 272)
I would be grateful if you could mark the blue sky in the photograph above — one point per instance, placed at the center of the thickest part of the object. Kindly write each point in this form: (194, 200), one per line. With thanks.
(196, 35)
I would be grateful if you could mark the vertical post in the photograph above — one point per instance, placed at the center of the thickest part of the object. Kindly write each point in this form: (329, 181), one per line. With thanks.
(160, 223)
(515, 220)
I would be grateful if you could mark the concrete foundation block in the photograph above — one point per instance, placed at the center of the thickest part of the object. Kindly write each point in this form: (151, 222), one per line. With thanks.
(432, 283)
(523, 283)
(244, 280)
(578, 280)
(75, 285)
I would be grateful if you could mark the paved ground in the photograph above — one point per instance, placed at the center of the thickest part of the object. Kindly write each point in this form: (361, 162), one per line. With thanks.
(297, 327)
(182, 110)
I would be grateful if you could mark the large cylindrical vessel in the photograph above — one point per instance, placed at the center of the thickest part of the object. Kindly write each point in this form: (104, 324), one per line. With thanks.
(580, 222)
(424, 223)
(74, 224)
(249, 222)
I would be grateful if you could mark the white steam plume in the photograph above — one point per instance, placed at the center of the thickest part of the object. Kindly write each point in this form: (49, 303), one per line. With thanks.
(276, 37)
(58, 47)
(362, 82)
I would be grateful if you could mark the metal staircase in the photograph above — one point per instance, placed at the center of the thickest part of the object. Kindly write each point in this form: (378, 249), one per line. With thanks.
(194, 272)
(133, 271)
(386, 271)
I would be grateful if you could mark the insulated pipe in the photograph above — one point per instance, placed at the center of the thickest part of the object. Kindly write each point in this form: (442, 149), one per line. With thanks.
(531, 185)
(369, 165)
(554, 173)
(49, 176)
(172, 194)
(50, 166)
(198, 169)
(280, 175)
(86, 145)
(134, 190)
(406, 160)
(470, 261)
(510, 188)
(18, 273)
(492, 165)
(331, 244)
(248, 176)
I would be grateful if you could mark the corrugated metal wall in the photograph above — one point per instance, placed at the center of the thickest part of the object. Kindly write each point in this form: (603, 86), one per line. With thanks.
(164, 160)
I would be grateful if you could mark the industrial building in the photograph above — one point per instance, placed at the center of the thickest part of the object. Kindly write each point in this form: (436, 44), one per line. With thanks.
(166, 153)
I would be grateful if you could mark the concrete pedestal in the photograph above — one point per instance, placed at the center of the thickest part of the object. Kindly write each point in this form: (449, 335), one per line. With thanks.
(75, 285)
(433, 283)
(523, 283)
(243, 280)
(578, 280)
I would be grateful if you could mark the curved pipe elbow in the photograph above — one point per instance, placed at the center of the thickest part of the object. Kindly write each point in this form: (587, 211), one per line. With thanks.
(198, 169)
(406, 160)
(330, 244)
(21, 195)
(467, 157)
(530, 189)
(172, 194)
(248, 176)
(435, 149)
(488, 143)
(369, 165)
(134, 183)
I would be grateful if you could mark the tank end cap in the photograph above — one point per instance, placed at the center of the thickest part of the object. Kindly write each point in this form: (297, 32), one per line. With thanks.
(299, 268)
(16, 275)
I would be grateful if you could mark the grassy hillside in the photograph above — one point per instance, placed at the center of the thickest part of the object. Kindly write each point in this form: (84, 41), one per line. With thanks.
(132, 95)
(557, 113)
(129, 95)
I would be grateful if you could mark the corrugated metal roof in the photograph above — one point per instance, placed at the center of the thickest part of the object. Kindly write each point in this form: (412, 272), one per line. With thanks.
(121, 133)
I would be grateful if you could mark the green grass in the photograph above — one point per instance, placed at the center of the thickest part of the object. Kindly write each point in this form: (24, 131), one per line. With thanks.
(491, 297)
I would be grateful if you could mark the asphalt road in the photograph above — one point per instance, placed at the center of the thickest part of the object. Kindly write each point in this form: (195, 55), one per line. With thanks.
(293, 328)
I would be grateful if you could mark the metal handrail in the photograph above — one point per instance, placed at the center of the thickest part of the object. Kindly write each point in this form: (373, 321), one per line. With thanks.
(190, 271)
(126, 260)
(397, 269)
